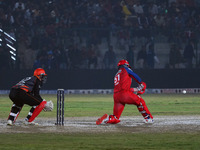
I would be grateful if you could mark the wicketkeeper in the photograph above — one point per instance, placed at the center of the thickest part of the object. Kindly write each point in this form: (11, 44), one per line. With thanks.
(124, 94)
(27, 92)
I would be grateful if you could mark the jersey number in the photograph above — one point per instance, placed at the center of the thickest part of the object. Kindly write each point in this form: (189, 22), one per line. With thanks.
(117, 79)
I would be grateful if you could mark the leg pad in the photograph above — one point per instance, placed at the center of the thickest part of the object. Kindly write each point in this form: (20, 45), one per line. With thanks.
(37, 111)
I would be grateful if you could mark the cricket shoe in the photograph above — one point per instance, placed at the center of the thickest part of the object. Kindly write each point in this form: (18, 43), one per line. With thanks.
(30, 123)
(10, 123)
(103, 119)
(148, 120)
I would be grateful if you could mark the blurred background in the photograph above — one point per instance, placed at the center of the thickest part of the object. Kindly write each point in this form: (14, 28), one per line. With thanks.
(84, 40)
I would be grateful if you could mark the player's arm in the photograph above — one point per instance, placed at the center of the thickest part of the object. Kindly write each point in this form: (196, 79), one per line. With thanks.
(142, 85)
(36, 90)
(134, 75)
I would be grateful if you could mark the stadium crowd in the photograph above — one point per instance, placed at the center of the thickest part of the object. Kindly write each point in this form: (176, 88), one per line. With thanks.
(65, 34)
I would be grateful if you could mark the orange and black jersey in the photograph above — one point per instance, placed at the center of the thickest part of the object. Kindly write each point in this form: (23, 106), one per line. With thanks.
(31, 85)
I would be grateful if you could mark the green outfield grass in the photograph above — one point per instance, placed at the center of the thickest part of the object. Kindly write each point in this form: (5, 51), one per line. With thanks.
(128, 141)
(96, 105)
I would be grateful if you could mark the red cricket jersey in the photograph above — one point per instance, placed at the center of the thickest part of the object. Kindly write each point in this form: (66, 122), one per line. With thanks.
(123, 79)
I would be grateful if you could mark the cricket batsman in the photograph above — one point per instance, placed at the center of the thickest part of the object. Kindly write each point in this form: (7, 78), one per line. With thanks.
(124, 94)
(27, 92)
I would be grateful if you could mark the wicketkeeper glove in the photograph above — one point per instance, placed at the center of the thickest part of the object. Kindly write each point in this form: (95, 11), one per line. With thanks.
(48, 106)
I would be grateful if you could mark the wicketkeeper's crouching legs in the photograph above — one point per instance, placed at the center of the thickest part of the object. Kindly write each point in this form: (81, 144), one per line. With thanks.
(35, 110)
(33, 113)
(14, 113)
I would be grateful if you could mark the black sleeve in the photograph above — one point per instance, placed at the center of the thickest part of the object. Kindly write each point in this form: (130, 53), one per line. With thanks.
(36, 89)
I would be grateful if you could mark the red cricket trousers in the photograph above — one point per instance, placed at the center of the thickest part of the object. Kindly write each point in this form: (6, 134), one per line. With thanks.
(127, 97)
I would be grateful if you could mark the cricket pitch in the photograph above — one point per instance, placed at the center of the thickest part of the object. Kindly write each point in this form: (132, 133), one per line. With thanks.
(135, 124)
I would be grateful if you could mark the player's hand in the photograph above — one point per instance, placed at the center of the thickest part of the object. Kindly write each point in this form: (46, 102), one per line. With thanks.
(141, 88)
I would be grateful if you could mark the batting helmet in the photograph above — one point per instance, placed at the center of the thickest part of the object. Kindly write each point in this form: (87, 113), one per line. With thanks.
(39, 73)
(123, 62)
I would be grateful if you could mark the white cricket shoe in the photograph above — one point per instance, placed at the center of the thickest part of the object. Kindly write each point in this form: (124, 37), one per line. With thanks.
(10, 123)
(149, 121)
(31, 123)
